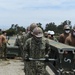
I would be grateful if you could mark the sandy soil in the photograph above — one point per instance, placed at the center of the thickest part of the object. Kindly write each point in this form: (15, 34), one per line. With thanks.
(11, 67)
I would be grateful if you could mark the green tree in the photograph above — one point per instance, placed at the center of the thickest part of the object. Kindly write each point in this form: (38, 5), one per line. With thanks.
(40, 25)
(15, 29)
(51, 26)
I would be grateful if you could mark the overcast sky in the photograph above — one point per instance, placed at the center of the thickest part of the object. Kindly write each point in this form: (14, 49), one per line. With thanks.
(25, 12)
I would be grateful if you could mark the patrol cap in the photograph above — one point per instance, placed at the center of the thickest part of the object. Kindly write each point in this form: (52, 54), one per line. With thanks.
(49, 31)
(38, 32)
(52, 33)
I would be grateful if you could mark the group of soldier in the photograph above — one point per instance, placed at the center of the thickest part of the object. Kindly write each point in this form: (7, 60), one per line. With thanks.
(35, 44)
(68, 37)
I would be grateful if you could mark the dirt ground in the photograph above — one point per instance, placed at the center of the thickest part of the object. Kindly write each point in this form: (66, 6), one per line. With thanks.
(11, 67)
(15, 67)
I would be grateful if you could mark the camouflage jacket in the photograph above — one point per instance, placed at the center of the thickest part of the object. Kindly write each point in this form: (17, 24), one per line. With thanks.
(28, 35)
(37, 50)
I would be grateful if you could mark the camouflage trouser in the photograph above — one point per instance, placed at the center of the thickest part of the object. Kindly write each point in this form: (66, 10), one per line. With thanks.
(35, 68)
(26, 68)
(4, 50)
(22, 52)
(1, 52)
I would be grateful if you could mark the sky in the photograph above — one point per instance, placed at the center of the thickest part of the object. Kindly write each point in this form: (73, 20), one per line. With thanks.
(25, 12)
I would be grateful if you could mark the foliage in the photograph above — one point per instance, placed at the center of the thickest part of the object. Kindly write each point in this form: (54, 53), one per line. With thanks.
(15, 29)
(51, 26)
(40, 25)
(10, 32)
(58, 29)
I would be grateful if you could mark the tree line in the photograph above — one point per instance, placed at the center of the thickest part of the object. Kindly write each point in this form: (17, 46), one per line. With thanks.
(58, 29)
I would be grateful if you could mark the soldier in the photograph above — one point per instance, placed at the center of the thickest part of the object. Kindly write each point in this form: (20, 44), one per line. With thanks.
(28, 29)
(70, 40)
(51, 35)
(22, 37)
(21, 42)
(36, 47)
(4, 46)
(66, 33)
(46, 34)
(27, 36)
(20, 33)
(17, 41)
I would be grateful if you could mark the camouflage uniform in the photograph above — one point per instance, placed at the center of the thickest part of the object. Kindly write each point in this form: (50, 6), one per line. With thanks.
(28, 35)
(22, 37)
(21, 40)
(17, 41)
(36, 50)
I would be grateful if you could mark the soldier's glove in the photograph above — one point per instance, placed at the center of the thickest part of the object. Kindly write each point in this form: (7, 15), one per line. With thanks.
(27, 57)
(46, 57)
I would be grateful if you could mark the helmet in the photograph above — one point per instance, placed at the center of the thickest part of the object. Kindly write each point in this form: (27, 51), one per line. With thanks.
(32, 26)
(66, 27)
(38, 32)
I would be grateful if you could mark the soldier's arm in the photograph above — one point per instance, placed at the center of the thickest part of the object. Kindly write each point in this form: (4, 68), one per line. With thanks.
(48, 48)
(24, 39)
(26, 47)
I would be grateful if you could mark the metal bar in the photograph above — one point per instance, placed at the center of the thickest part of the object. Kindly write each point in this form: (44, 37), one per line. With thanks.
(41, 59)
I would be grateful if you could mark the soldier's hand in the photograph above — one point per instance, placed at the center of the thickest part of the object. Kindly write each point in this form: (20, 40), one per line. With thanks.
(27, 60)
(27, 57)
(46, 57)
